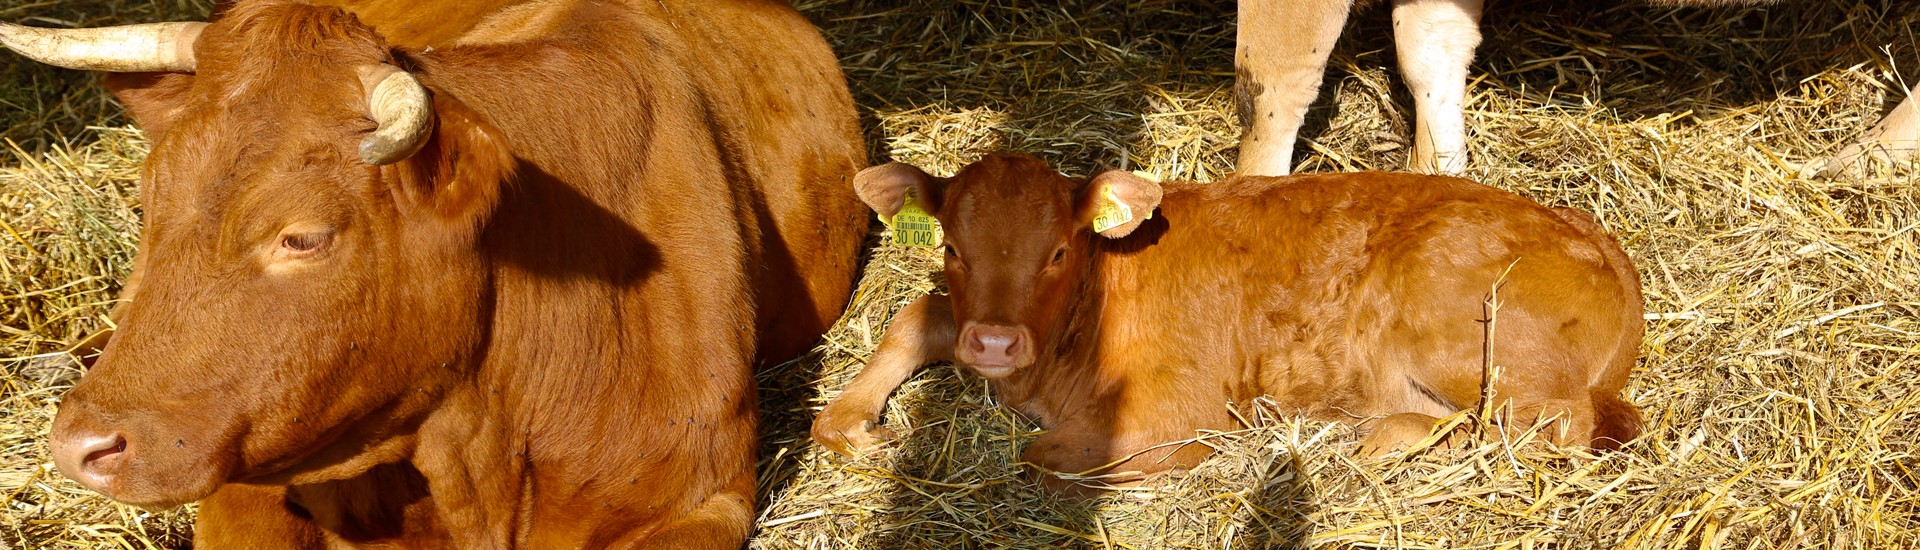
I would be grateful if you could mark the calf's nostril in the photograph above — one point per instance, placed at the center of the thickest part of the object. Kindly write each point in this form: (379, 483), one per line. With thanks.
(1000, 343)
(93, 460)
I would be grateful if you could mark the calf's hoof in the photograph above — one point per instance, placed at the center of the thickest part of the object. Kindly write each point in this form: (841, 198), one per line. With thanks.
(849, 435)
(1400, 432)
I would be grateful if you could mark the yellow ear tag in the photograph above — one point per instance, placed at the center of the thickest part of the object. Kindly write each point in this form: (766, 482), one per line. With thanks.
(913, 226)
(1110, 213)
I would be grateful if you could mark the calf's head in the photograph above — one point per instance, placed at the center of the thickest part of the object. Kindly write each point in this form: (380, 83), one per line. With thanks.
(1019, 239)
(308, 281)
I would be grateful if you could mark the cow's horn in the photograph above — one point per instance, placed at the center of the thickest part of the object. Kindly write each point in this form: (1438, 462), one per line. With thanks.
(151, 47)
(400, 105)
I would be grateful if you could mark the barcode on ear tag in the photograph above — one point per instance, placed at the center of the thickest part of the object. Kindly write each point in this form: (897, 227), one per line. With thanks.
(913, 226)
(1111, 213)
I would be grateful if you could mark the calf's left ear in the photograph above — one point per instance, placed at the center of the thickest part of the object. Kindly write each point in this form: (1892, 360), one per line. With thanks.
(1116, 202)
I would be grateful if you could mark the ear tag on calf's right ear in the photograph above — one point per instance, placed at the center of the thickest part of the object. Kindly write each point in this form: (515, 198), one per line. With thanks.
(1110, 213)
(913, 226)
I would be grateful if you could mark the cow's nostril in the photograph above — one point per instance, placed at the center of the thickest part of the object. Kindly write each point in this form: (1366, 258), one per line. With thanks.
(110, 446)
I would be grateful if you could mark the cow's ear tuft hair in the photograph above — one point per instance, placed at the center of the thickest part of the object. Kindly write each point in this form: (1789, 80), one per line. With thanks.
(458, 173)
(885, 188)
(154, 100)
(1116, 202)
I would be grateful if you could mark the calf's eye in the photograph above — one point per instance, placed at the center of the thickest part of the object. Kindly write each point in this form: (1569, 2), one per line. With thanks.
(1059, 254)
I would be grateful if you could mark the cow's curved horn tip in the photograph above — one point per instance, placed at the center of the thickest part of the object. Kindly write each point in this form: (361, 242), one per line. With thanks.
(403, 110)
(381, 151)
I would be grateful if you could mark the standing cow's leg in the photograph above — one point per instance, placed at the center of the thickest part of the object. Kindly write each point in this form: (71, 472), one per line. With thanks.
(1436, 40)
(1895, 138)
(1280, 55)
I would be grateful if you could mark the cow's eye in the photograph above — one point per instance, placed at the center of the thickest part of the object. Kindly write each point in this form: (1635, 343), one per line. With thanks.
(1059, 254)
(297, 245)
(950, 253)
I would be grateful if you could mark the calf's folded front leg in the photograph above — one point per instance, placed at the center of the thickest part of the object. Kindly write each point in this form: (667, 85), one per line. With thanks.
(922, 333)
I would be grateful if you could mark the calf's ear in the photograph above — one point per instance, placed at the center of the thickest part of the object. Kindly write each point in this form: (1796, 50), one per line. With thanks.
(1116, 202)
(885, 188)
(457, 175)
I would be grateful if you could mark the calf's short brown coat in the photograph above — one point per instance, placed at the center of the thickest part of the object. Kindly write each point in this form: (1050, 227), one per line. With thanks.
(1344, 296)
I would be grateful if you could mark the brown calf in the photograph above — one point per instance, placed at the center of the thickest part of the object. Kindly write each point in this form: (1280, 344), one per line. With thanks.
(506, 294)
(1347, 296)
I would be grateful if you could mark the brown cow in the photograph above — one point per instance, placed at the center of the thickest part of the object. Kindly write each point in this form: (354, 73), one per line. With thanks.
(1282, 52)
(1343, 296)
(496, 293)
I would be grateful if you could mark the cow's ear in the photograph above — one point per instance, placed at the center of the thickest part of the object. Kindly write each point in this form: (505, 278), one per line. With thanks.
(457, 175)
(885, 188)
(153, 99)
(1116, 202)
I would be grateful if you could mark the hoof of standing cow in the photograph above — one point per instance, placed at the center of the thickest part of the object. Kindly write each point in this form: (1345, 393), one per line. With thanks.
(1854, 161)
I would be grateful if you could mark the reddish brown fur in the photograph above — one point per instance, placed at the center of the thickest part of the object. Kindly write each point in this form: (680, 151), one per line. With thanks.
(538, 331)
(1345, 296)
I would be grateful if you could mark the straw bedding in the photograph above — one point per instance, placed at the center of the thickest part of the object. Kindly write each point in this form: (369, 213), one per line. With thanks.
(1779, 374)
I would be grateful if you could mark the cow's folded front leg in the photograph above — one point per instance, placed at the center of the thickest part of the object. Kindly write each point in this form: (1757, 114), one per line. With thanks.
(921, 333)
(717, 523)
(252, 516)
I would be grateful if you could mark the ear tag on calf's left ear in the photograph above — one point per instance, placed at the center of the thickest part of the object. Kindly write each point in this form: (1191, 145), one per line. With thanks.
(913, 226)
(1110, 213)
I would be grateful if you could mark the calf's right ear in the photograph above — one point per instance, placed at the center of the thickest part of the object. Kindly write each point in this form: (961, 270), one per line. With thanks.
(885, 188)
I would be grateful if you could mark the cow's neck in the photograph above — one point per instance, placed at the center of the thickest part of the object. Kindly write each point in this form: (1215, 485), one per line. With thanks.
(613, 359)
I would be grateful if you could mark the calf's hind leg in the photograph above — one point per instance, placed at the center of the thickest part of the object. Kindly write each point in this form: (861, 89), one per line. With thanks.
(1568, 422)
